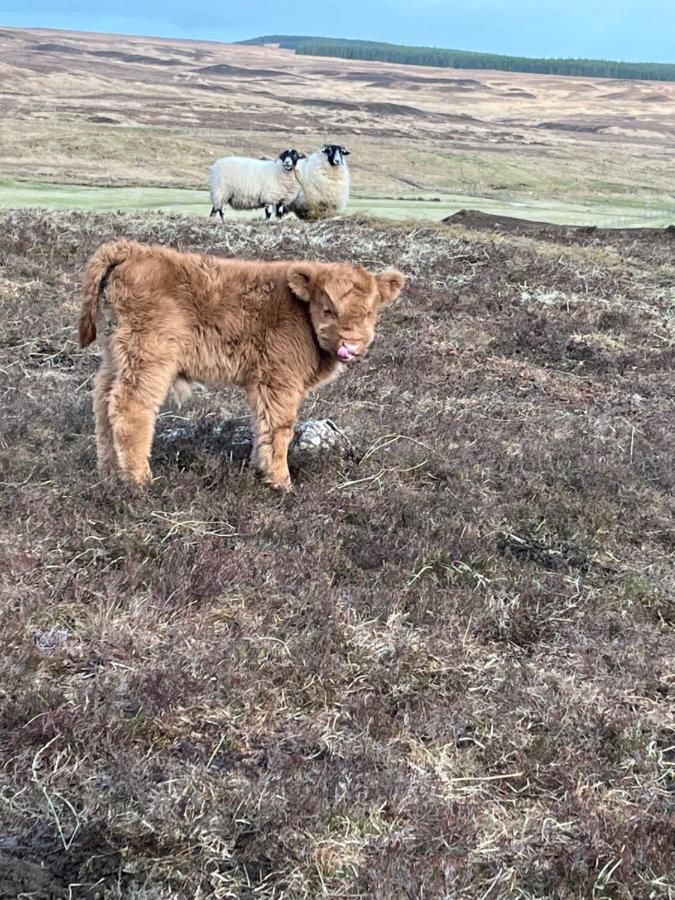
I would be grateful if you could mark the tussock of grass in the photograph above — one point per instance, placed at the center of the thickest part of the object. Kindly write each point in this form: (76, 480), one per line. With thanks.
(440, 668)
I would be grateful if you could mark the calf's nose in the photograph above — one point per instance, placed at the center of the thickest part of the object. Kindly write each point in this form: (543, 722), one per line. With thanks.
(348, 349)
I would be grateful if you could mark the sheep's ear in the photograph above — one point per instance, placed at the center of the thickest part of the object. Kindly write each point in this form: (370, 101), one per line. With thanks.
(300, 281)
(390, 285)
(344, 151)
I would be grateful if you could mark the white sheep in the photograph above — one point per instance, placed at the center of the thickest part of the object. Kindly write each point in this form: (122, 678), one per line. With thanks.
(324, 182)
(244, 183)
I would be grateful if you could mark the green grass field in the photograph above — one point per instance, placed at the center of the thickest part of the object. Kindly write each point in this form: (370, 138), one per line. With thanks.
(612, 214)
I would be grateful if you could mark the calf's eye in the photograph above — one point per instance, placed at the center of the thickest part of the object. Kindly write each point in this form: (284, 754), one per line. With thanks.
(327, 311)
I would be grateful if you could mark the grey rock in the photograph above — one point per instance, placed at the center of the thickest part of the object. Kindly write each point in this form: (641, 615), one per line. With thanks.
(51, 640)
(234, 439)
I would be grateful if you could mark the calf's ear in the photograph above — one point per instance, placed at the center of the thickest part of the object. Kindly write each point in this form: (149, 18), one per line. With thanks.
(390, 285)
(300, 281)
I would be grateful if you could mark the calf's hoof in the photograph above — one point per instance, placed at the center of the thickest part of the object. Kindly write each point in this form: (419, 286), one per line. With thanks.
(107, 470)
(280, 484)
(140, 477)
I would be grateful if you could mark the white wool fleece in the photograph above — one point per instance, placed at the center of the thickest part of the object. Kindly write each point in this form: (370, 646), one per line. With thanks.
(324, 188)
(245, 183)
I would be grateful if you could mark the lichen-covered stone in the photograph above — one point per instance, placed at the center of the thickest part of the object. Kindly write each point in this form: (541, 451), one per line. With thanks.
(234, 439)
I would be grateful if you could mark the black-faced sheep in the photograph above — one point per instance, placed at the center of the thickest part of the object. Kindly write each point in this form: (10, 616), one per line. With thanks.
(244, 183)
(324, 184)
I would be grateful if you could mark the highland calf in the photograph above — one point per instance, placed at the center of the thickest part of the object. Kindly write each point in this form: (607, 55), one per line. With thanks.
(275, 329)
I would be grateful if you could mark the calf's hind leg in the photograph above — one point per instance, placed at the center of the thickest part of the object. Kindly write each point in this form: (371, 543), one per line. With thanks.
(105, 446)
(135, 399)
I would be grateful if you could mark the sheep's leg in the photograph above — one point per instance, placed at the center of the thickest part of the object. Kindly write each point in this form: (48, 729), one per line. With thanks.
(213, 211)
(105, 447)
(281, 210)
(275, 410)
(136, 395)
(268, 211)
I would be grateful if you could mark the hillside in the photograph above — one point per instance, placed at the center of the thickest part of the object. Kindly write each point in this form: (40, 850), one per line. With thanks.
(465, 59)
(441, 668)
(110, 110)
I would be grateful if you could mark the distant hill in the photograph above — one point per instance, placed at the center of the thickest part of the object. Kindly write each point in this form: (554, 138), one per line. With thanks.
(465, 59)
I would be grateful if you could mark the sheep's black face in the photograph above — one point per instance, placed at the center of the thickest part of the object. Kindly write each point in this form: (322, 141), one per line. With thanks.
(335, 153)
(289, 158)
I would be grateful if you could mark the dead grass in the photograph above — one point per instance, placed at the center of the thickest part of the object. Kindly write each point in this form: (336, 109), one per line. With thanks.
(102, 109)
(443, 667)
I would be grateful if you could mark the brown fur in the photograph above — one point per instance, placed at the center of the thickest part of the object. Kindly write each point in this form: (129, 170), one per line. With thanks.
(274, 329)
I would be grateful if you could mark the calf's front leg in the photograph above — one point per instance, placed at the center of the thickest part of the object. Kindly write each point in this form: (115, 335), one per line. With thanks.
(275, 410)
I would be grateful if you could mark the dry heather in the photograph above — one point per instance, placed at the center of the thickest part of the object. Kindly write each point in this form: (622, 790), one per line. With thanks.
(439, 669)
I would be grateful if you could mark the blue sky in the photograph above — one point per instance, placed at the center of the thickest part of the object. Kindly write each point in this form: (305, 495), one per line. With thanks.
(612, 29)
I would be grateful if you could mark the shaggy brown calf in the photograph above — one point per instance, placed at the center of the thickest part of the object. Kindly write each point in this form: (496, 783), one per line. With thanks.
(275, 329)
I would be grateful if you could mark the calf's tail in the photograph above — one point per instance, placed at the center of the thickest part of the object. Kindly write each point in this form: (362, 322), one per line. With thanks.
(96, 275)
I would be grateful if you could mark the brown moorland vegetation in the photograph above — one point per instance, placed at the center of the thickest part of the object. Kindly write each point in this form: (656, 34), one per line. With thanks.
(439, 668)
(110, 109)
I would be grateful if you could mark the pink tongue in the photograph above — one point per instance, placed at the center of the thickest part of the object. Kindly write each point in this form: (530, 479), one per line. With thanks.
(343, 352)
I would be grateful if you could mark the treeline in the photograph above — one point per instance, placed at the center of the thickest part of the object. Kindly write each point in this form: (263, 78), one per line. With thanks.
(466, 59)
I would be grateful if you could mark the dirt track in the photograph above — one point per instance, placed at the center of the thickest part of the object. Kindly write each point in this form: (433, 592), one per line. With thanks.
(472, 218)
